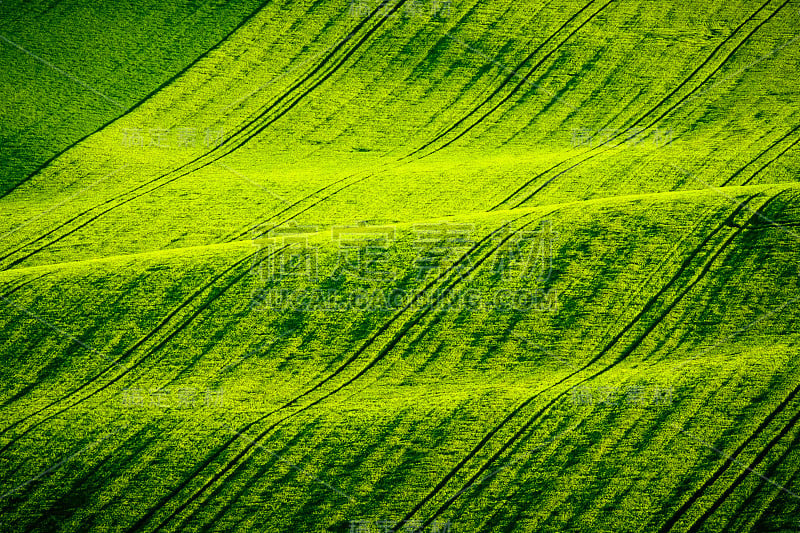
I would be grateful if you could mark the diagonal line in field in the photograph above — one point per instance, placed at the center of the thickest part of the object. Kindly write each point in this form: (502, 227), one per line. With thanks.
(733, 459)
(291, 465)
(721, 192)
(251, 182)
(50, 210)
(59, 464)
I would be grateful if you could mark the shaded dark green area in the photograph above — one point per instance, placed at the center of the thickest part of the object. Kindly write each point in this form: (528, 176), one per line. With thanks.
(70, 67)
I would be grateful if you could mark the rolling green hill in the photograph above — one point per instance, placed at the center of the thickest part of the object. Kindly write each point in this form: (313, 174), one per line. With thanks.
(357, 266)
(71, 67)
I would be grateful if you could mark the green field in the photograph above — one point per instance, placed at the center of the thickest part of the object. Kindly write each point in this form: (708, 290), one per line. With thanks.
(400, 266)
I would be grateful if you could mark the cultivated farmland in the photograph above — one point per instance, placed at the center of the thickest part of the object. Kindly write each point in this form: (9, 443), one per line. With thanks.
(403, 265)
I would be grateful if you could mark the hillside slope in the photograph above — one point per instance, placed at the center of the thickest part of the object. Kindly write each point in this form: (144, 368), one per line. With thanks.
(70, 67)
(417, 266)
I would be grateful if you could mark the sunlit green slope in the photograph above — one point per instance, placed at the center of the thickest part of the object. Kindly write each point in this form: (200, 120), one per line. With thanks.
(493, 389)
(313, 113)
(362, 267)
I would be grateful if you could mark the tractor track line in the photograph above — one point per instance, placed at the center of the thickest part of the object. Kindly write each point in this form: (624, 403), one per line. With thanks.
(7, 295)
(284, 210)
(340, 189)
(769, 472)
(135, 346)
(669, 524)
(751, 468)
(419, 295)
(504, 83)
(379, 357)
(254, 122)
(686, 263)
(520, 84)
(552, 402)
(697, 70)
(150, 352)
(346, 186)
(665, 113)
(255, 441)
(764, 151)
(248, 122)
(729, 460)
(768, 163)
(333, 70)
(642, 117)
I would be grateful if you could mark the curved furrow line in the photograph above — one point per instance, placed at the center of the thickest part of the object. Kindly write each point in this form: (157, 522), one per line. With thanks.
(247, 485)
(92, 219)
(745, 473)
(212, 153)
(331, 71)
(504, 83)
(406, 327)
(769, 473)
(635, 344)
(149, 335)
(324, 198)
(730, 460)
(255, 441)
(619, 69)
(147, 97)
(257, 124)
(85, 223)
(311, 195)
(761, 153)
(399, 314)
(243, 489)
(665, 113)
(186, 322)
(307, 197)
(43, 236)
(669, 524)
(470, 85)
(383, 352)
(216, 157)
(525, 428)
(520, 84)
(243, 233)
(284, 210)
(671, 108)
(254, 120)
(151, 181)
(716, 69)
(593, 150)
(697, 70)
(259, 128)
(768, 163)
(7, 295)
(46, 234)
(608, 79)
(701, 275)
(614, 341)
